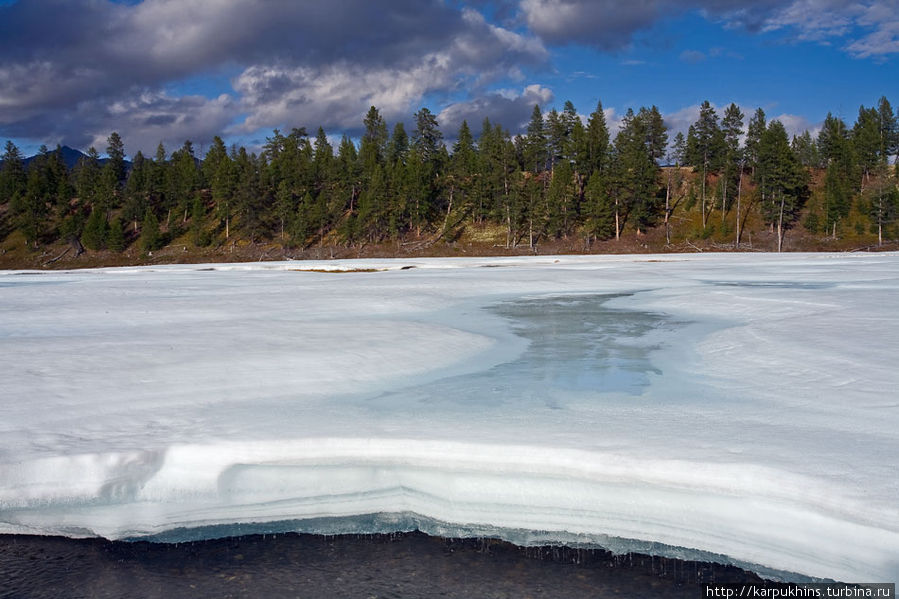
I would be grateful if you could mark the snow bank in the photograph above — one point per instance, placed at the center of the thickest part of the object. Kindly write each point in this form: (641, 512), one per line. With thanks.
(762, 423)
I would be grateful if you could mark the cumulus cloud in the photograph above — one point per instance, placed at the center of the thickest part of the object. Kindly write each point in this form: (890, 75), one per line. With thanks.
(143, 119)
(605, 24)
(868, 28)
(298, 62)
(511, 109)
(692, 56)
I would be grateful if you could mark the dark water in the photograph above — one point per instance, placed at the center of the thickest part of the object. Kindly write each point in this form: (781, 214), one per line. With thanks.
(366, 566)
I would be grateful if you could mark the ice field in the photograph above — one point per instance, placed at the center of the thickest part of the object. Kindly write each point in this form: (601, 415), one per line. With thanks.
(741, 407)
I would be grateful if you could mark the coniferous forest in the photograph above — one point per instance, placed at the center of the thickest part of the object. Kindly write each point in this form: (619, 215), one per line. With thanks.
(565, 181)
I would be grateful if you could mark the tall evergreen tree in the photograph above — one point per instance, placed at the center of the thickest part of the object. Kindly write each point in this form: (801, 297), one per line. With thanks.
(427, 138)
(12, 173)
(889, 128)
(705, 148)
(757, 127)
(534, 150)
(374, 141)
(840, 178)
(87, 178)
(732, 164)
(867, 140)
(597, 141)
(784, 179)
(633, 175)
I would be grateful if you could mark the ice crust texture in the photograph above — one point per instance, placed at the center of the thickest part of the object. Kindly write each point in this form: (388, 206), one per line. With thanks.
(744, 404)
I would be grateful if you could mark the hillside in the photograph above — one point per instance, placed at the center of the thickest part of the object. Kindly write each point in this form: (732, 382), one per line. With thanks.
(468, 239)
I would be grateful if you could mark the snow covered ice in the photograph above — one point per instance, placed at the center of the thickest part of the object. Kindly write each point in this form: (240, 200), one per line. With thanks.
(740, 405)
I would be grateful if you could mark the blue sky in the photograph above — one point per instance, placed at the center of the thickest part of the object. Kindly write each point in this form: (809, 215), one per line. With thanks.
(72, 71)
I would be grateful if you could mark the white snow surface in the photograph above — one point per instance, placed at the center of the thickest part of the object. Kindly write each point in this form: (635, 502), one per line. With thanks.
(745, 405)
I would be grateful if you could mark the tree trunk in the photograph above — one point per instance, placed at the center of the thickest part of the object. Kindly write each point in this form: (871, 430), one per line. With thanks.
(668, 209)
(227, 226)
(617, 221)
(780, 223)
(724, 198)
(739, 197)
(703, 195)
(508, 227)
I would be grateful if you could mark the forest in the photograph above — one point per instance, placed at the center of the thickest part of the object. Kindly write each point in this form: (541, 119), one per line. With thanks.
(564, 178)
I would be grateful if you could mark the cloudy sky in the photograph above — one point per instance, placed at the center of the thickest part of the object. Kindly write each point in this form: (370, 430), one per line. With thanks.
(72, 71)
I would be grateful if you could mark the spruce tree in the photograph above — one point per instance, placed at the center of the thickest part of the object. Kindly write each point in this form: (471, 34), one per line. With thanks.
(115, 237)
(732, 170)
(94, 236)
(784, 179)
(149, 235)
(840, 177)
(534, 150)
(705, 148)
(12, 174)
(597, 142)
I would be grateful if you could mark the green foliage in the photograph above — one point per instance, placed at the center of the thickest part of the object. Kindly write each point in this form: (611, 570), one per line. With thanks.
(94, 236)
(812, 223)
(562, 176)
(599, 211)
(150, 237)
(198, 233)
(12, 174)
(115, 237)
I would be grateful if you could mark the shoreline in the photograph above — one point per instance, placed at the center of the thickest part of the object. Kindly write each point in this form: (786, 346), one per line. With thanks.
(380, 565)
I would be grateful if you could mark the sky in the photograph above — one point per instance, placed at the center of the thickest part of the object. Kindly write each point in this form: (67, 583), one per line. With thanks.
(164, 71)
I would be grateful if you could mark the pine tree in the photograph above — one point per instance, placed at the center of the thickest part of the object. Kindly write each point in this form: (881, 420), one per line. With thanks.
(784, 180)
(12, 174)
(534, 150)
(557, 136)
(705, 148)
(116, 157)
(656, 132)
(597, 142)
(559, 213)
(30, 208)
(883, 198)
(633, 175)
(87, 178)
(757, 127)
(94, 236)
(149, 235)
(197, 218)
(732, 171)
(427, 138)
(889, 128)
(398, 146)
(115, 236)
(599, 212)
(374, 140)
(840, 177)
(867, 140)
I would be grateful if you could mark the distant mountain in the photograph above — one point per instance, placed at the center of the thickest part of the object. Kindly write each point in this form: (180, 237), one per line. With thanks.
(71, 156)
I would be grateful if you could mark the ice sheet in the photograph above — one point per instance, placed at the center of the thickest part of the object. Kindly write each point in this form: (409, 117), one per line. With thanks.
(742, 405)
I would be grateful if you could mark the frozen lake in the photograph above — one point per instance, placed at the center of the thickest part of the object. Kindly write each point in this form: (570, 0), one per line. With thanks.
(739, 405)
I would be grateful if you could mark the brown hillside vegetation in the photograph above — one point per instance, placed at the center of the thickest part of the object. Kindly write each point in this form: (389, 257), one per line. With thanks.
(487, 239)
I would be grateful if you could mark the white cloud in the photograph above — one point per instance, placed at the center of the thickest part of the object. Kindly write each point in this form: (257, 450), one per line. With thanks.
(510, 109)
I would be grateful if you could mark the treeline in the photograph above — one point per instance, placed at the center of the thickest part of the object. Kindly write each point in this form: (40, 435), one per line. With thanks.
(564, 177)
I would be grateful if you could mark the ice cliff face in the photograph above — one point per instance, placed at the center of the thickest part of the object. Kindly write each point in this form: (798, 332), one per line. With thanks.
(741, 405)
